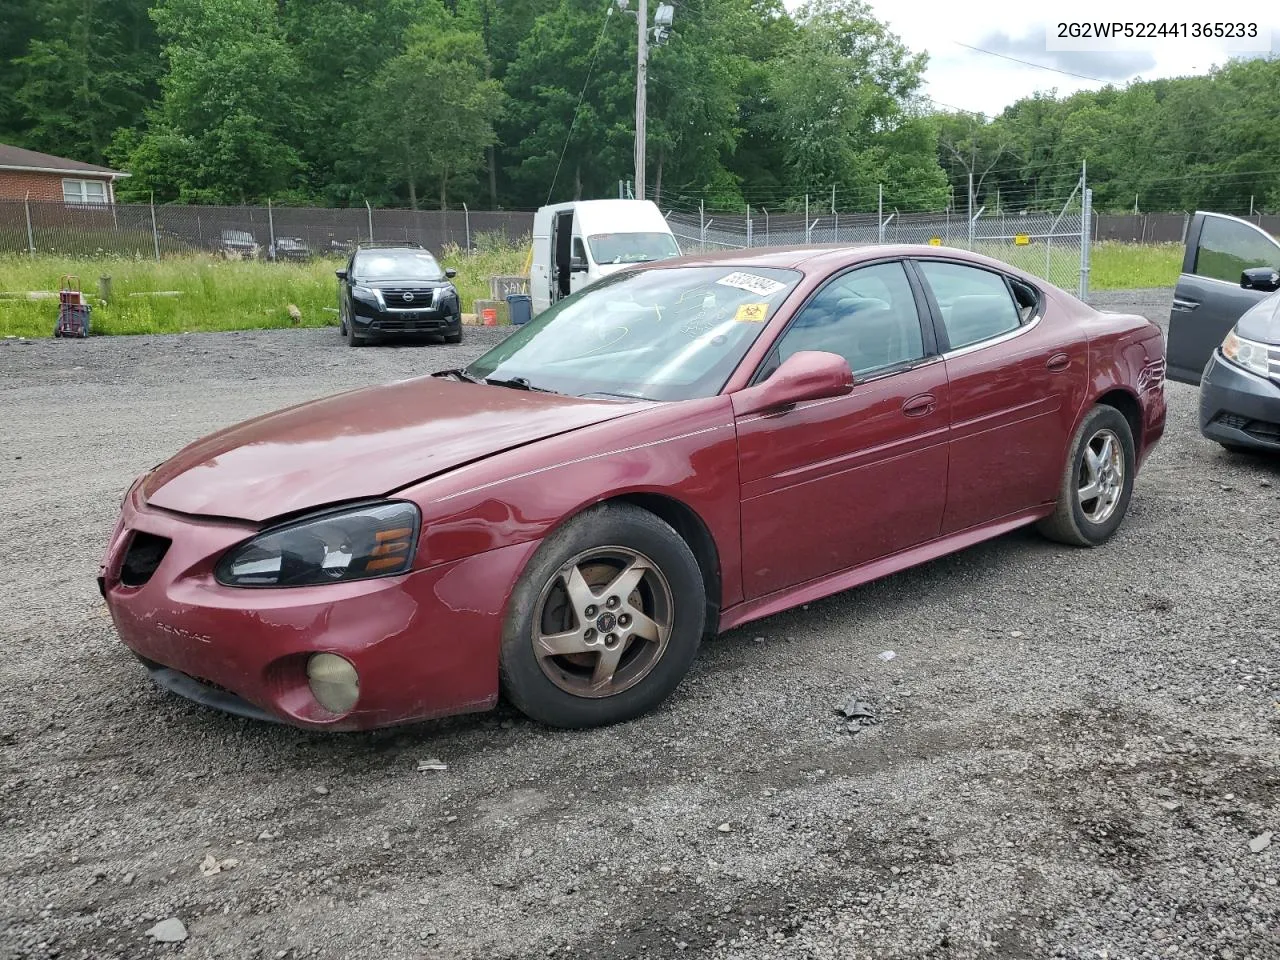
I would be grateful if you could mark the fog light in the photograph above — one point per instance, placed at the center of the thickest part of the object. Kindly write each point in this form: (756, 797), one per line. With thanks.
(334, 682)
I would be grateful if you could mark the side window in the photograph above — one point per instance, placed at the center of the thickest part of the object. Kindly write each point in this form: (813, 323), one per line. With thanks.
(579, 251)
(1027, 299)
(868, 316)
(975, 303)
(1228, 248)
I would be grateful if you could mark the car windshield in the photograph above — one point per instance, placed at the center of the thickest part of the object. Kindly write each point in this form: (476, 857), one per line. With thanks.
(632, 247)
(397, 265)
(664, 334)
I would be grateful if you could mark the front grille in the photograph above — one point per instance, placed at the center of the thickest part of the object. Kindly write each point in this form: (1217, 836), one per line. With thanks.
(423, 298)
(145, 552)
(408, 325)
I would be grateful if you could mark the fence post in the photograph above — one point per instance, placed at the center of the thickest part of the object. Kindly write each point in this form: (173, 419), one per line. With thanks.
(369, 209)
(807, 230)
(1086, 233)
(155, 234)
(702, 223)
(31, 237)
(766, 226)
(748, 226)
(466, 218)
(880, 216)
(271, 231)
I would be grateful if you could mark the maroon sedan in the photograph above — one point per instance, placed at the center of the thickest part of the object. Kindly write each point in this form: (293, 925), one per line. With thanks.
(675, 451)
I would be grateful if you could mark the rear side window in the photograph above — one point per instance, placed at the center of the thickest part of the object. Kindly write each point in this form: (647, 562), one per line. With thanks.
(976, 304)
(1228, 248)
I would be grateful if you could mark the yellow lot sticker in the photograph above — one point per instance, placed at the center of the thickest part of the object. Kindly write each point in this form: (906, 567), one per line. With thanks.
(752, 313)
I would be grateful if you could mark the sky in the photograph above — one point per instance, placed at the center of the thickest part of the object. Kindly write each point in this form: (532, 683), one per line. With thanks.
(963, 78)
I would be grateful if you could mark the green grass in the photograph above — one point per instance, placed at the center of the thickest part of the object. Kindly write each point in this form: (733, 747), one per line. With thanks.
(239, 295)
(1128, 266)
(215, 294)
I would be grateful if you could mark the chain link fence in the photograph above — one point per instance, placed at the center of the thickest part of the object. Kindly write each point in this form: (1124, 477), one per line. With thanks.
(1046, 244)
(144, 231)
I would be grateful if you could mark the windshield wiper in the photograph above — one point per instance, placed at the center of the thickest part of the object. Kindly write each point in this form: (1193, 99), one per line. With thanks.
(516, 383)
(459, 373)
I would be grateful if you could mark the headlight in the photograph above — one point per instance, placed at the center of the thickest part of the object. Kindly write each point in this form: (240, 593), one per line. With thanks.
(367, 293)
(1246, 353)
(375, 540)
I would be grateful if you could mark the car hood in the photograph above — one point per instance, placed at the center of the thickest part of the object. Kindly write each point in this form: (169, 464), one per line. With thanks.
(363, 443)
(1261, 322)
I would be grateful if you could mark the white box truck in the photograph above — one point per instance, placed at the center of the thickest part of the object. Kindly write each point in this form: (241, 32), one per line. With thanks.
(577, 243)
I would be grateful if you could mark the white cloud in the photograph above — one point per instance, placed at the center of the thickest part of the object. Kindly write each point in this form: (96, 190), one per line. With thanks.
(962, 78)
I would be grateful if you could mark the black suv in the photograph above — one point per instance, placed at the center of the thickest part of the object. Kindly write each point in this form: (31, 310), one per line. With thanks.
(397, 289)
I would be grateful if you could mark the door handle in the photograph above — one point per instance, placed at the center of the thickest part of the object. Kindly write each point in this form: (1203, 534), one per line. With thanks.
(1184, 306)
(919, 406)
(1058, 362)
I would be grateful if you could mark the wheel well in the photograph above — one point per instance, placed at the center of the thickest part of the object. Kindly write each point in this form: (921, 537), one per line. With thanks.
(1128, 405)
(694, 532)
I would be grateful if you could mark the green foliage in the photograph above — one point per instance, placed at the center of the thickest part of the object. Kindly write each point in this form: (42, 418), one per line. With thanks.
(440, 102)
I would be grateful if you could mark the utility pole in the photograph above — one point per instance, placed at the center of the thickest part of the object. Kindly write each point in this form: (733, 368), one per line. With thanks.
(642, 77)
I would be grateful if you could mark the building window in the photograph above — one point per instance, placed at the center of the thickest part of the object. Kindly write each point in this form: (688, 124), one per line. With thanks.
(84, 191)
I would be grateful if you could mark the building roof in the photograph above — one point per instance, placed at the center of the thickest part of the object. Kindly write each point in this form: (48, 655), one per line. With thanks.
(16, 158)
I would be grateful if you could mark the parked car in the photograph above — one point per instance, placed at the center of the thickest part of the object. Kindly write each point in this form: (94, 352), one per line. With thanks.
(396, 289)
(677, 450)
(239, 245)
(290, 248)
(1224, 330)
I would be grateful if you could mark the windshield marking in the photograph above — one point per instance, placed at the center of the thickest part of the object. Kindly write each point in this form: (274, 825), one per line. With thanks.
(752, 283)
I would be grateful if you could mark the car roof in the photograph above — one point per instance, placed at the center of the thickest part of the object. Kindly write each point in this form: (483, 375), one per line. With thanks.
(387, 245)
(823, 258)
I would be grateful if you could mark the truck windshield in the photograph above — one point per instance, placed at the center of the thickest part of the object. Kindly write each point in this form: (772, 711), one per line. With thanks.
(632, 247)
(673, 333)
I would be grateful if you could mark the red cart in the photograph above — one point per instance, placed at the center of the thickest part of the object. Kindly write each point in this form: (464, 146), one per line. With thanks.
(73, 309)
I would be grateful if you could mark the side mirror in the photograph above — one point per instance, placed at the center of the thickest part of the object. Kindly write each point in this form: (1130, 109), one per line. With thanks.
(807, 375)
(1260, 278)
(340, 274)
(577, 265)
(450, 273)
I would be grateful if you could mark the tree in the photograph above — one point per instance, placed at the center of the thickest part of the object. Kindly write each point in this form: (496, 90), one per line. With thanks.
(432, 111)
(226, 128)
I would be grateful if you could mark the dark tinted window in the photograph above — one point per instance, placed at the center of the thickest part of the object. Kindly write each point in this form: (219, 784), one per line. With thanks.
(868, 316)
(975, 303)
(1228, 247)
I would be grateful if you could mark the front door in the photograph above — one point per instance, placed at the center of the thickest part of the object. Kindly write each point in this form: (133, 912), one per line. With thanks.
(1017, 384)
(1209, 299)
(832, 484)
(561, 255)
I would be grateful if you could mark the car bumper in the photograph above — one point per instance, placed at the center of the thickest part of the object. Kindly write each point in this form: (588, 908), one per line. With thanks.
(1239, 408)
(371, 321)
(424, 644)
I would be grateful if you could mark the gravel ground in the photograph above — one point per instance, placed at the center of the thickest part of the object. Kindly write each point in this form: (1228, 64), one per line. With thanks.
(1076, 748)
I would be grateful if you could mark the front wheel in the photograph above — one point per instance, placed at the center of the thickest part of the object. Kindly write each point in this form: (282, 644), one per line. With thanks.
(1097, 483)
(605, 621)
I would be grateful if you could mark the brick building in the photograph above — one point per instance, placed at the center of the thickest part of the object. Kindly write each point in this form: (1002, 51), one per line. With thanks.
(40, 176)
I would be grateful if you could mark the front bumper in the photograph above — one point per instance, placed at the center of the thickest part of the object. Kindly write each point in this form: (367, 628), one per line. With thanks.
(369, 318)
(425, 644)
(1238, 407)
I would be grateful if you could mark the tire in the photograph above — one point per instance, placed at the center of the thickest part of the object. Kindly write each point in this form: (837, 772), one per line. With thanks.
(603, 545)
(355, 339)
(453, 337)
(1071, 522)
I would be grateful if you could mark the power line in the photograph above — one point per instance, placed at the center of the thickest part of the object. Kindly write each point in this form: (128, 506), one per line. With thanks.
(1028, 63)
(573, 122)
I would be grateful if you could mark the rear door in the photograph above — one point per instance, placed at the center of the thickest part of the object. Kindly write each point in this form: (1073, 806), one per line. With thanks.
(1017, 377)
(1209, 299)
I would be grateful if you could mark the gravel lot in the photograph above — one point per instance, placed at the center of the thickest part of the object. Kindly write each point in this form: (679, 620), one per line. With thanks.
(1076, 748)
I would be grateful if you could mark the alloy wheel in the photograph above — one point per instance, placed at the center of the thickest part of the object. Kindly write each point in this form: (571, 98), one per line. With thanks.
(1100, 479)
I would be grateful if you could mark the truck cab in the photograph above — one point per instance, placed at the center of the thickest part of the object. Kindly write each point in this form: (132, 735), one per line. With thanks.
(577, 243)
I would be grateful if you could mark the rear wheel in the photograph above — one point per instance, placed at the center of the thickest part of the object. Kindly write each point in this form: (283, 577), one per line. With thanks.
(605, 622)
(1097, 483)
